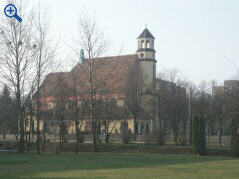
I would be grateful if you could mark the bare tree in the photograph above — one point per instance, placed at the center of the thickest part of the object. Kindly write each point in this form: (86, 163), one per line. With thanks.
(17, 55)
(172, 101)
(78, 106)
(219, 111)
(75, 109)
(93, 42)
(62, 94)
(161, 95)
(44, 60)
(133, 93)
(202, 104)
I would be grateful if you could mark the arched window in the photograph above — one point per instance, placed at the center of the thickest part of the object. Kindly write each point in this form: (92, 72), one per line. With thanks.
(147, 44)
(142, 44)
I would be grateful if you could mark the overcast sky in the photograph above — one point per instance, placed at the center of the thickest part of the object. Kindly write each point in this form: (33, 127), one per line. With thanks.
(194, 36)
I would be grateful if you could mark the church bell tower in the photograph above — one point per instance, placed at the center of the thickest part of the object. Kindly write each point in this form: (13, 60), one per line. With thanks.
(147, 72)
(146, 56)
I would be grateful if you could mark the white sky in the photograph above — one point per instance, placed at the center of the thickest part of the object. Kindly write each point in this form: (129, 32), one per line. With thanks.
(193, 36)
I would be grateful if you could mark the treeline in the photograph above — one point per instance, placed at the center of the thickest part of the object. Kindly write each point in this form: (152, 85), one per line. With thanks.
(180, 100)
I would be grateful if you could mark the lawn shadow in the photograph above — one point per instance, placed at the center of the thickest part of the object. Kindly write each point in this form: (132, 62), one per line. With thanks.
(44, 163)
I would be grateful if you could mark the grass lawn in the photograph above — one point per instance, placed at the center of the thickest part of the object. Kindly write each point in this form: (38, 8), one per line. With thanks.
(116, 165)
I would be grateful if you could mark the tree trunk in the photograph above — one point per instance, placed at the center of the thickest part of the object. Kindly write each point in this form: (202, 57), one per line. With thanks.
(77, 138)
(61, 136)
(21, 142)
(190, 116)
(92, 110)
(19, 107)
(30, 130)
(25, 129)
(4, 129)
(184, 135)
(190, 131)
(60, 144)
(160, 133)
(208, 136)
(107, 138)
(33, 130)
(38, 136)
(220, 134)
(29, 139)
(176, 137)
(135, 135)
(38, 123)
(95, 147)
(44, 136)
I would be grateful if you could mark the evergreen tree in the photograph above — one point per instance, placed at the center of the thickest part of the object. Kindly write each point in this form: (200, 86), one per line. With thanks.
(5, 110)
(234, 137)
(198, 135)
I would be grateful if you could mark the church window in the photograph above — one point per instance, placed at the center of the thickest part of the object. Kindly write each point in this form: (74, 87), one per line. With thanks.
(142, 44)
(147, 44)
(51, 105)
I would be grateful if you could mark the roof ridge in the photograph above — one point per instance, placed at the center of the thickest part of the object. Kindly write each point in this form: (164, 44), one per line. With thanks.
(105, 57)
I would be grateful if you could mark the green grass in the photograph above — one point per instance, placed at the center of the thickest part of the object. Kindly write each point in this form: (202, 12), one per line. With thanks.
(214, 150)
(116, 165)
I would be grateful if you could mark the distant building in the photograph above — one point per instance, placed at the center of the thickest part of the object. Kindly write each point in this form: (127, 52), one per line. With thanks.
(231, 86)
(229, 93)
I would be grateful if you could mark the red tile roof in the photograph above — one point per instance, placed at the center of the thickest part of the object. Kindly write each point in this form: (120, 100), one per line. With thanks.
(110, 77)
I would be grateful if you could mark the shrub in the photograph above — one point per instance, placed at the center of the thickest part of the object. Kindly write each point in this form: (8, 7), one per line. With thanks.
(234, 138)
(81, 138)
(160, 139)
(125, 135)
(198, 135)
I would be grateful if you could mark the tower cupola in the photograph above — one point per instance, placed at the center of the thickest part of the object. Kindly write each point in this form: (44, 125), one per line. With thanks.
(145, 49)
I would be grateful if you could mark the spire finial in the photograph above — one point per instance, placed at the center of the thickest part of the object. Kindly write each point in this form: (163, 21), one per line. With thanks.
(146, 25)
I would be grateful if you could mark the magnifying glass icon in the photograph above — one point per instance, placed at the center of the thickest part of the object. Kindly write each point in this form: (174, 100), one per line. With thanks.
(11, 11)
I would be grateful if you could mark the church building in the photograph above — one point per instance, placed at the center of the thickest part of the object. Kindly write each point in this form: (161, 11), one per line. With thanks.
(123, 89)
